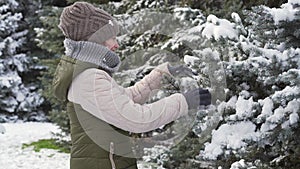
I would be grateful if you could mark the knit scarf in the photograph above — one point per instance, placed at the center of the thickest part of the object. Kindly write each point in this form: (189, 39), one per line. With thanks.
(93, 53)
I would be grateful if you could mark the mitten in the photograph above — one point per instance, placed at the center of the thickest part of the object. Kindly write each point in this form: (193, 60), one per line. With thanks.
(180, 70)
(197, 97)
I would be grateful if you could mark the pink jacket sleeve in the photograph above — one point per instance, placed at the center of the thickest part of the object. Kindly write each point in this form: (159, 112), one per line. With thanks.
(141, 91)
(101, 96)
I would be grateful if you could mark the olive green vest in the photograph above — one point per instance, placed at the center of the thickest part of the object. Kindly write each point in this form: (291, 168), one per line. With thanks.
(91, 137)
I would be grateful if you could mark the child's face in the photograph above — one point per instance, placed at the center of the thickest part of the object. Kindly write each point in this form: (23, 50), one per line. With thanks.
(111, 44)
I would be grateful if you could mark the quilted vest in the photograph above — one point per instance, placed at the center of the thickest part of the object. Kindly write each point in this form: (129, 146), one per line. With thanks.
(95, 143)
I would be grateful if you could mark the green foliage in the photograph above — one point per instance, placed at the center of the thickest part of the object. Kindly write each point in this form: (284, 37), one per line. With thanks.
(46, 81)
(19, 90)
(131, 6)
(257, 68)
(49, 37)
(260, 78)
(61, 118)
(184, 150)
(47, 144)
(224, 9)
(246, 76)
(262, 23)
(92, 1)
(58, 3)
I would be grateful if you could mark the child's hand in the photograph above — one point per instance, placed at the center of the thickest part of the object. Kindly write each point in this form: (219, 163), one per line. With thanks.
(197, 97)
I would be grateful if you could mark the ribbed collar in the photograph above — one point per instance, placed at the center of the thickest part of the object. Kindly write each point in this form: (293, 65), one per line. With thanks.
(93, 53)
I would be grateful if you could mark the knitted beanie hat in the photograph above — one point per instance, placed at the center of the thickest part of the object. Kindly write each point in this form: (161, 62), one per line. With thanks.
(84, 22)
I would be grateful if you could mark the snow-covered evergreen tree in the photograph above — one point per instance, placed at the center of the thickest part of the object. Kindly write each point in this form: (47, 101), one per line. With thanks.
(260, 117)
(19, 92)
(251, 65)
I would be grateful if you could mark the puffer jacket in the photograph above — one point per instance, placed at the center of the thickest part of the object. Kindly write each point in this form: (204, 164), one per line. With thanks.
(86, 152)
(98, 93)
(101, 112)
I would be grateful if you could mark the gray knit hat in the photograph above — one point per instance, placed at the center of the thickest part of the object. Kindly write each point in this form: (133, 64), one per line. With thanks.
(84, 22)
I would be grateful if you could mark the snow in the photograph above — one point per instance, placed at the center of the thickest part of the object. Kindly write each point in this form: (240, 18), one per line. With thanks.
(20, 61)
(4, 8)
(236, 17)
(230, 136)
(278, 159)
(286, 124)
(13, 3)
(154, 152)
(232, 102)
(265, 127)
(14, 44)
(293, 106)
(208, 54)
(2, 129)
(184, 13)
(12, 156)
(293, 118)
(11, 21)
(238, 164)
(267, 109)
(219, 28)
(5, 81)
(285, 13)
(116, 4)
(243, 108)
(288, 91)
(259, 61)
(245, 86)
(293, 1)
(277, 116)
(10, 104)
(175, 46)
(20, 96)
(188, 83)
(223, 106)
(190, 60)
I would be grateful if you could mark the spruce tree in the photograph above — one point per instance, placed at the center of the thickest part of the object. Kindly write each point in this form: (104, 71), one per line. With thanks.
(258, 53)
(20, 94)
(50, 41)
(259, 124)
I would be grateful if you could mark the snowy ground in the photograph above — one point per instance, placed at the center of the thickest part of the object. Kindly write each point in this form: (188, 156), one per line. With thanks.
(12, 156)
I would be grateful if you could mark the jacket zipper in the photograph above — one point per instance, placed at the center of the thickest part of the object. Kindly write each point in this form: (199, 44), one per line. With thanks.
(111, 155)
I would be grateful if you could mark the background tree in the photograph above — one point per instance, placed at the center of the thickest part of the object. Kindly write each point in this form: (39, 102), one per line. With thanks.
(20, 94)
(260, 123)
(262, 74)
(50, 40)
